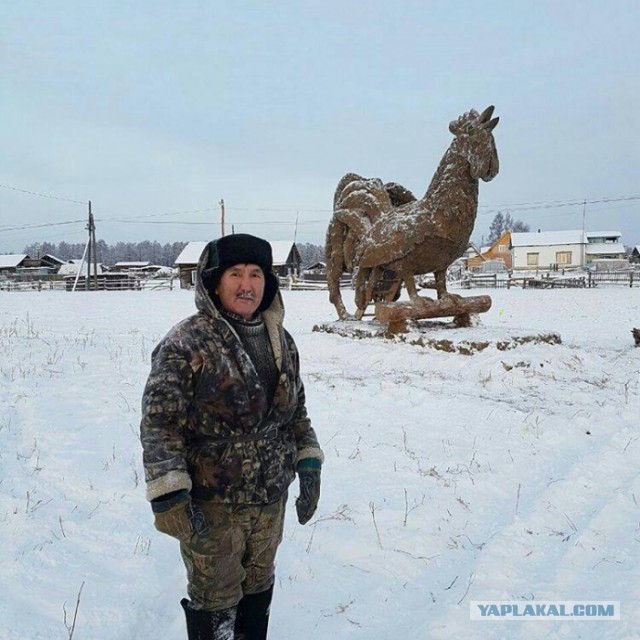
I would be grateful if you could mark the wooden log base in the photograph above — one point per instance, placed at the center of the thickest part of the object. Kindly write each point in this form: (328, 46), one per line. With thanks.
(397, 314)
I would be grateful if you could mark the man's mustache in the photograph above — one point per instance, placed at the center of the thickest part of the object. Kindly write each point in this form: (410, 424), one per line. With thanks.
(246, 295)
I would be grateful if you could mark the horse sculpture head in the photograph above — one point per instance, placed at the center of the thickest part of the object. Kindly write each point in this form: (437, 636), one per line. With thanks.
(475, 139)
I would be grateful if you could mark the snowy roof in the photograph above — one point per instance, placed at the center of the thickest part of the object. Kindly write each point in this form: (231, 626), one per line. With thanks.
(52, 258)
(603, 234)
(281, 250)
(71, 268)
(191, 253)
(605, 248)
(547, 238)
(11, 259)
(132, 264)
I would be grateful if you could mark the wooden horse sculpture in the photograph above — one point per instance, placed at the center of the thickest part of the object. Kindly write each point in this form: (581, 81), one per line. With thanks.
(377, 227)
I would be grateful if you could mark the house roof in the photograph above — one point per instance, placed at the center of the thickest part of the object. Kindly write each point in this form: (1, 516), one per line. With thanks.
(192, 252)
(603, 248)
(547, 238)
(132, 264)
(72, 267)
(52, 258)
(281, 250)
(603, 234)
(11, 259)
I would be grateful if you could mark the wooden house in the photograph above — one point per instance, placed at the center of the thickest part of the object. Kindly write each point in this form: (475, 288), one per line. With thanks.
(71, 268)
(499, 250)
(635, 255)
(51, 263)
(187, 263)
(286, 260)
(130, 266)
(11, 263)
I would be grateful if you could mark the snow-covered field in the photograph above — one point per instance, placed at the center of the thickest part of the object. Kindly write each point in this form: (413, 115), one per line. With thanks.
(509, 475)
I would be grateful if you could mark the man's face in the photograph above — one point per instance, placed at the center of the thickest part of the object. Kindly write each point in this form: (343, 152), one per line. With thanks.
(241, 288)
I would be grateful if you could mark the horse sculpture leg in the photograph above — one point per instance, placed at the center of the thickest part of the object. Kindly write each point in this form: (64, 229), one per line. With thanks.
(360, 285)
(335, 266)
(410, 284)
(364, 291)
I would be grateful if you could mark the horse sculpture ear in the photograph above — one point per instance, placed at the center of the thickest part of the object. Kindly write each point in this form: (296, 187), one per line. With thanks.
(491, 125)
(485, 116)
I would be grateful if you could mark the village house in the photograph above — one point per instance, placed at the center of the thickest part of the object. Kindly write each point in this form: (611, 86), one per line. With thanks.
(635, 255)
(187, 262)
(286, 260)
(130, 266)
(12, 263)
(550, 250)
(603, 246)
(51, 263)
(500, 250)
(71, 268)
(565, 249)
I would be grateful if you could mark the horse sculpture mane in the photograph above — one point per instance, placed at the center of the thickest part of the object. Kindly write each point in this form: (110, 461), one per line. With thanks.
(380, 227)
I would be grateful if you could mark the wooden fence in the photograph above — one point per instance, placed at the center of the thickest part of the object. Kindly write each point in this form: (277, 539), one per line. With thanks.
(549, 280)
(146, 284)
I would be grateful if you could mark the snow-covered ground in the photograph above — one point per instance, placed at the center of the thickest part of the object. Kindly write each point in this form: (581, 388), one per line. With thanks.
(507, 474)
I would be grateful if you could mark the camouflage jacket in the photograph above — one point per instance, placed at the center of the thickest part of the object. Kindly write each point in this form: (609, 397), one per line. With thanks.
(207, 425)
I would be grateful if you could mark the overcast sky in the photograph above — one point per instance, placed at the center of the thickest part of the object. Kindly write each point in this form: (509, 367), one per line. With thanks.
(154, 107)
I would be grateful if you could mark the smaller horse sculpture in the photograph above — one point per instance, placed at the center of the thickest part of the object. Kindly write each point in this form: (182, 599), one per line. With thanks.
(377, 227)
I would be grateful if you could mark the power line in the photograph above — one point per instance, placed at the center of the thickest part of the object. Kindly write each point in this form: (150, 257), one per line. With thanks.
(209, 223)
(556, 204)
(37, 226)
(513, 207)
(279, 210)
(42, 195)
(156, 215)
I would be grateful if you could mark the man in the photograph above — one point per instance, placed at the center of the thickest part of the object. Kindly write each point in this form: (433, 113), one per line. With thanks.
(224, 430)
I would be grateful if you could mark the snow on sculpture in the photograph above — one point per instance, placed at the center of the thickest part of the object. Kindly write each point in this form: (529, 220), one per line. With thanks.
(377, 228)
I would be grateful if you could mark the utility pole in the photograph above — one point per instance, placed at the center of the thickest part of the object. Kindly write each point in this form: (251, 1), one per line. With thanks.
(584, 238)
(95, 249)
(88, 276)
(221, 203)
(90, 251)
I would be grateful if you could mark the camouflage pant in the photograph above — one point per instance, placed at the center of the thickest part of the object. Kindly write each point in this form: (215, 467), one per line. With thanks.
(236, 556)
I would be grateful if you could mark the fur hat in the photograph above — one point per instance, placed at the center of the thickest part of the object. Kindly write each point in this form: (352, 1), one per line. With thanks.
(240, 248)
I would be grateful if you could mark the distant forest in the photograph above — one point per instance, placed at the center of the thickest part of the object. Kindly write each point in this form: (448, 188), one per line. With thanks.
(146, 251)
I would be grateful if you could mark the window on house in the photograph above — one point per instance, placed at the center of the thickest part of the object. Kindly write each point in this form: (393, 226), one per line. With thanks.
(502, 248)
(532, 259)
(563, 257)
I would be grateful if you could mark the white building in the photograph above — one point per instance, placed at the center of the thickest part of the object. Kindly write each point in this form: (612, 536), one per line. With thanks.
(548, 250)
(604, 245)
(564, 249)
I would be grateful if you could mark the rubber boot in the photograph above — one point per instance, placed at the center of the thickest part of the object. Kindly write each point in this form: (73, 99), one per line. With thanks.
(209, 625)
(252, 618)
